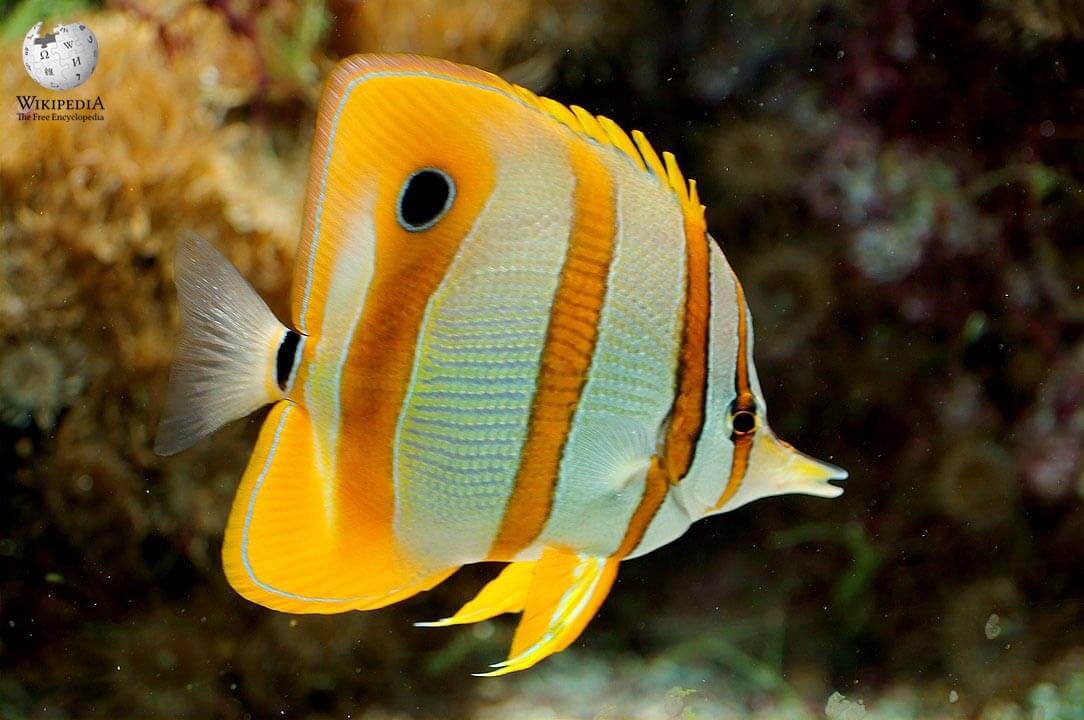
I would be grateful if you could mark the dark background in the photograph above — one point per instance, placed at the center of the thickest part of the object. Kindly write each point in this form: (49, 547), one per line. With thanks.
(900, 186)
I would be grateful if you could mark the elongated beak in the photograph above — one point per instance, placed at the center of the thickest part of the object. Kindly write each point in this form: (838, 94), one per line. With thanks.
(773, 467)
(792, 471)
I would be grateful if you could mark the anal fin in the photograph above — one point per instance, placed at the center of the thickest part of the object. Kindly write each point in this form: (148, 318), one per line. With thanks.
(293, 547)
(566, 591)
(506, 593)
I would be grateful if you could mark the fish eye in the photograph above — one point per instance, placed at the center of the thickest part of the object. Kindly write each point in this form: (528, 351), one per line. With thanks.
(425, 198)
(743, 422)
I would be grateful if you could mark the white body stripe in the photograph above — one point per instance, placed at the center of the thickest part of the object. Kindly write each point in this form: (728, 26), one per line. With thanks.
(686, 502)
(755, 485)
(669, 523)
(347, 288)
(711, 464)
(464, 421)
(630, 384)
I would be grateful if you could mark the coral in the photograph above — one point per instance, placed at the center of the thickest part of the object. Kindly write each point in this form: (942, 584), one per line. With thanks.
(93, 208)
(1033, 22)
(35, 384)
(898, 201)
(519, 39)
(1052, 435)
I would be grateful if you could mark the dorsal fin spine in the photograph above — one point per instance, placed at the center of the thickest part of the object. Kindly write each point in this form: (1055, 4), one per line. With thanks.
(637, 148)
(650, 157)
(673, 174)
(590, 125)
(694, 196)
(561, 113)
(620, 140)
(526, 95)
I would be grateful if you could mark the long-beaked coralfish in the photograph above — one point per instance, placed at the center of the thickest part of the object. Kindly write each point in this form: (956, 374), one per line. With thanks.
(513, 340)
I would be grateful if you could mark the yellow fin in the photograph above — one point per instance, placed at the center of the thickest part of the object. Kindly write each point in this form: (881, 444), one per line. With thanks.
(559, 112)
(673, 174)
(620, 140)
(606, 132)
(565, 593)
(651, 159)
(590, 125)
(285, 550)
(507, 593)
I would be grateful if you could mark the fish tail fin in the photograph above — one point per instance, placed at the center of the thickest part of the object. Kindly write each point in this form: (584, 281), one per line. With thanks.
(226, 360)
(566, 591)
(507, 593)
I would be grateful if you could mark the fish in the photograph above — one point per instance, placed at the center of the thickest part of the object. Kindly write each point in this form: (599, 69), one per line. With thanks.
(512, 339)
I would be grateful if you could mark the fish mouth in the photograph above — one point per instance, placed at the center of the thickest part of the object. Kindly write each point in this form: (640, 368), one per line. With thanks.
(797, 472)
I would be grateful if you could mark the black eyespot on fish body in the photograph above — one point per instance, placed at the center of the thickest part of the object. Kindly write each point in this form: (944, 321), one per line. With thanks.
(287, 358)
(425, 198)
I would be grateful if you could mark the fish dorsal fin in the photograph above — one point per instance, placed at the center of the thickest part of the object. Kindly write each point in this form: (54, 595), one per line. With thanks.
(603, 131)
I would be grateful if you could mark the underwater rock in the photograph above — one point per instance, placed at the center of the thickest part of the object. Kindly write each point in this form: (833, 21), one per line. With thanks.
(976, 484)
(987, 667)
(840, 708)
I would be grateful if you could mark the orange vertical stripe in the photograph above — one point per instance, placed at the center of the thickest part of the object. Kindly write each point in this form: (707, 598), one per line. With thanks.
(377, 157)
(688, 412)
(656, 485)
(566, 355)
(743, 444)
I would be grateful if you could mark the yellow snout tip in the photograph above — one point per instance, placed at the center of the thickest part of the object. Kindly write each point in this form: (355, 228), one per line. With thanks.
(794, 471)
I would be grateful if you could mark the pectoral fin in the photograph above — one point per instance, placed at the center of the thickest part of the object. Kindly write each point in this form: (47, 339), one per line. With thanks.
(565, 593)
(507, 593)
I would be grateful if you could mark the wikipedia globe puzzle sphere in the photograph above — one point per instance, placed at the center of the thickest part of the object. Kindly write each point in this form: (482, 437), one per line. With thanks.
(63, 59)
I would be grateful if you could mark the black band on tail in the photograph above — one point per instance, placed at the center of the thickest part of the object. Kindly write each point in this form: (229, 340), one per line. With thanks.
(286, 358)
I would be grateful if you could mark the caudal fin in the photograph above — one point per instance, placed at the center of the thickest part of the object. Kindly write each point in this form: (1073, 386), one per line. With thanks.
(226, 357)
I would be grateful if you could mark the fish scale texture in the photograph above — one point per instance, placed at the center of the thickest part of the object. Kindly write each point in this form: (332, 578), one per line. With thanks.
(629, 388)
(461, 433)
